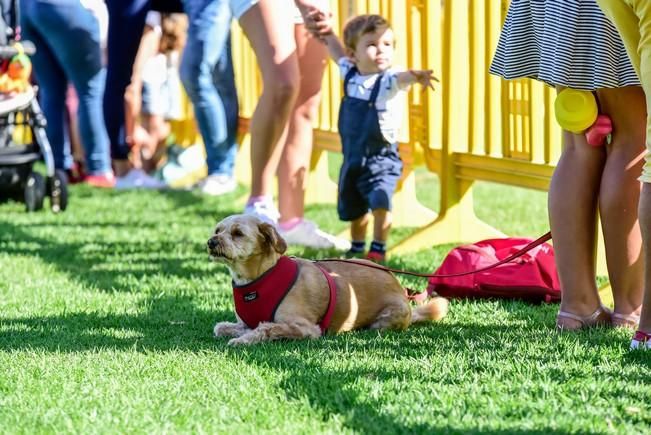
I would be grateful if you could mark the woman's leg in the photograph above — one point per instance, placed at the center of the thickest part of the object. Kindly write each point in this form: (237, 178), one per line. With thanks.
(126, 25)
(208, 31)
(572, 203)
(619, 195)
(268, 29)
(53, 84)
(295, 159)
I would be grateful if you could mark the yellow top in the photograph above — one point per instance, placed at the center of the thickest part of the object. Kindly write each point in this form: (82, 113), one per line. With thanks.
(575, 110)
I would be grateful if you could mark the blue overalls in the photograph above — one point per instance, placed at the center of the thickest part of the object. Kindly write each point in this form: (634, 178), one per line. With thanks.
(372, 166)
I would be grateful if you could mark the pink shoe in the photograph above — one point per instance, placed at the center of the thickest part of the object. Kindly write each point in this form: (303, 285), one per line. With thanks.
(641, 340)
(597, 133)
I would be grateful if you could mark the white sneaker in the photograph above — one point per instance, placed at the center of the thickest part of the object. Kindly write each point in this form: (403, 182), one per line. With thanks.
(217, 184)
(306, 233)
(641, 340)
(138, 179)
(264, 210)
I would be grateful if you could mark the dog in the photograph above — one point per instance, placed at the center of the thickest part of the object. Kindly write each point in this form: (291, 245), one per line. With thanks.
(306, 298)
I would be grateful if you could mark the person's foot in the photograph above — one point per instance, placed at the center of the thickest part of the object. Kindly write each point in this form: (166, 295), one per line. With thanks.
(376, 257)
(641, 341)
(102, 180)
(138, 179)
(264, 209)
(217, 184)
(566, 321)
(307, 233)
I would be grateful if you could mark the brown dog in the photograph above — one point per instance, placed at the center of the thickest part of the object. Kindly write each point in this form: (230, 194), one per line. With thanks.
(305, 305)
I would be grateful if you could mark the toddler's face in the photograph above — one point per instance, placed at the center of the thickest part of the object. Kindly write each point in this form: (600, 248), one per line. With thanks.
(374, 51)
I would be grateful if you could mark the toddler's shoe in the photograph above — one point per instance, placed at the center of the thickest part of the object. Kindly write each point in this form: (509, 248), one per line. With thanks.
(265, 210)
(376, 257)
(307, 233)
(217, 184)
(641, 340)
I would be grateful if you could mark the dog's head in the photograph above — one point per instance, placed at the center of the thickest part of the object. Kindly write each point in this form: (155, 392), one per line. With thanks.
(245, 243)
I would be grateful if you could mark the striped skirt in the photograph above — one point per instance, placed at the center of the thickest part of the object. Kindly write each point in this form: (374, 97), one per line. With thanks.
(562, 43)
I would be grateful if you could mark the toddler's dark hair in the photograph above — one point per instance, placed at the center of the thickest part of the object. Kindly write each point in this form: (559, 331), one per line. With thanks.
(174, 28)
(361, 25)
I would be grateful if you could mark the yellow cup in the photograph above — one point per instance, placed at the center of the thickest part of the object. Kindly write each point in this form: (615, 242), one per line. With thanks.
(575, 110)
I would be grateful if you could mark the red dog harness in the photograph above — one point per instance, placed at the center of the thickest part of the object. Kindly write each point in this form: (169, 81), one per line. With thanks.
(258, 300)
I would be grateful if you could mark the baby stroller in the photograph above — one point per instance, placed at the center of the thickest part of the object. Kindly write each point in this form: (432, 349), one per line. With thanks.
(23, 141)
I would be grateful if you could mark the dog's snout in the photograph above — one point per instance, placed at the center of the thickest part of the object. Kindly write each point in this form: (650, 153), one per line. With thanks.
(212, 243)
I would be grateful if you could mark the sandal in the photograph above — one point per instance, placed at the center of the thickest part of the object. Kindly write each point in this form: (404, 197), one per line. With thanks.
(625, 320)
(641, 340)
(602, 316)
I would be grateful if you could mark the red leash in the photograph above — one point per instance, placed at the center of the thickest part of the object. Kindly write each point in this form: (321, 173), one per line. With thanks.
(539, 241)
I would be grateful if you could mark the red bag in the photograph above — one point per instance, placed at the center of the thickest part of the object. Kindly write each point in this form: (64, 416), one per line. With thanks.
(531, 277)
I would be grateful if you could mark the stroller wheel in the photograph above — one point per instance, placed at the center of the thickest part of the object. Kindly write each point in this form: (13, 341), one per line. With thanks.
(58, 190)
(34, 192)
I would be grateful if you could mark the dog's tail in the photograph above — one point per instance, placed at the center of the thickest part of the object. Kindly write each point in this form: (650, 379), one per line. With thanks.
(434, 309)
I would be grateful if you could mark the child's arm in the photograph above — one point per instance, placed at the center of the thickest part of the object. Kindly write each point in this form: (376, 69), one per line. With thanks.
(424, 77)
(320, 25)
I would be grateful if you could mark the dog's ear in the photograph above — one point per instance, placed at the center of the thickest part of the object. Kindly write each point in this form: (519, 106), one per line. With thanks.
(271, 238)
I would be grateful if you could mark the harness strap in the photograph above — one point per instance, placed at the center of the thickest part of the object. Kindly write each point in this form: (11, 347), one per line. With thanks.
(327, 317)
(539, 241)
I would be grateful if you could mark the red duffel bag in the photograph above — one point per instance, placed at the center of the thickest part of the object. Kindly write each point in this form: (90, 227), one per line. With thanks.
(531, 277)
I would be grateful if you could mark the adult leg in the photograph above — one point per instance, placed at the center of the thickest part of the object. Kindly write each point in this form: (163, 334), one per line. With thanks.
(633, 21)
(209, 22)
(295, 159)
(83, 67)
(572, 207)
(619, 196)
(267, 28)
(126, 24)
(53, 85)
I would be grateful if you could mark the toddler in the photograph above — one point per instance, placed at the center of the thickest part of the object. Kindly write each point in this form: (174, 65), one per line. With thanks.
(369, 118)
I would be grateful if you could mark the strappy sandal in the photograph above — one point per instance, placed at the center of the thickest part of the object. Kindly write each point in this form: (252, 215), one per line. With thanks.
(625, 320)
(641, 340)
(602, 316)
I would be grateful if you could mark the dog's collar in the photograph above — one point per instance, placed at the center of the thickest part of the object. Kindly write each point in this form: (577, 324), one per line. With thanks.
(258, 300)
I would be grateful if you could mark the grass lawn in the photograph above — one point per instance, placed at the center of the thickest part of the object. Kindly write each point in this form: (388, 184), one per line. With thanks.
(106, 316)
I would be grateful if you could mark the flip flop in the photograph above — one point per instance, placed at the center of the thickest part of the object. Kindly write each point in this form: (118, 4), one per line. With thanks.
(601, 317)
(625, 320)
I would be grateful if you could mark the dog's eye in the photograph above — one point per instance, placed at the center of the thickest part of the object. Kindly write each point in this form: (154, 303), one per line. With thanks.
(237, 233)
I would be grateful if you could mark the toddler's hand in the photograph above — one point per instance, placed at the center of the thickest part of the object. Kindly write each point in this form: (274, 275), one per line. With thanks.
(318, 23)
(424, 77)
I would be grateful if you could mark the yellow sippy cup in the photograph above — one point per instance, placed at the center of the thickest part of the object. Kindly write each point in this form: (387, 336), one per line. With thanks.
(575, 110)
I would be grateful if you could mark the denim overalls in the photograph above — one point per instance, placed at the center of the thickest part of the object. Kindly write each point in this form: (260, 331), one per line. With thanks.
(372, 166)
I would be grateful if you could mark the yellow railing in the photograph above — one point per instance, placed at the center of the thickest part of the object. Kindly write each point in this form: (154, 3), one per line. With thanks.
(473, 127)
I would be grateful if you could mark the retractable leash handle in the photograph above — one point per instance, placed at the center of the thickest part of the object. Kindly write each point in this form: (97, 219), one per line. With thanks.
(539, 241)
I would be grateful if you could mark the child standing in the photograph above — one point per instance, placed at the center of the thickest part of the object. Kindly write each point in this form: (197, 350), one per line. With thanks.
(369, 119)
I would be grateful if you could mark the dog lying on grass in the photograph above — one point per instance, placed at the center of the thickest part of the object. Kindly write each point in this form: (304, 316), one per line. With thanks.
(279, 297)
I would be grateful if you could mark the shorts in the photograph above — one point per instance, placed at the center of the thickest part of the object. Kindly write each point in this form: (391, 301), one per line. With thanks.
(369, 184)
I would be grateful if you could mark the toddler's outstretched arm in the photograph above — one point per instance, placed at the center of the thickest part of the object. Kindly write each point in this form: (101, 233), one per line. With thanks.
(424, 77)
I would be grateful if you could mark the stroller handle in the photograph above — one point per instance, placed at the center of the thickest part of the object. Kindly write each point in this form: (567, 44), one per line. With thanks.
(9, 51)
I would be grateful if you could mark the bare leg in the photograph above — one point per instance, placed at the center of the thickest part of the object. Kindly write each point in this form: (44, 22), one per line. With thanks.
(358, 228)
(381, 224)
(619, 196)
(645, 225)
(572, 207)
(276, 331)
(266, 25)
(295, 159)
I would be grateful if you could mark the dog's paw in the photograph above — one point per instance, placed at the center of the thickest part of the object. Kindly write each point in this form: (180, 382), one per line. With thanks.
(225, 329)
(239, 341)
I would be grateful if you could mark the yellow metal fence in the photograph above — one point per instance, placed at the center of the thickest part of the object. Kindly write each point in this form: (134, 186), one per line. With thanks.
(474, 126)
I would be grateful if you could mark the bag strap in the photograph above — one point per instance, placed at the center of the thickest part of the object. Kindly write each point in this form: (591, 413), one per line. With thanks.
(539, 241)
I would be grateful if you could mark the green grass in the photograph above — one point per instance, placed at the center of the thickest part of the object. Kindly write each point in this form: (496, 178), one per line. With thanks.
(106, 316)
